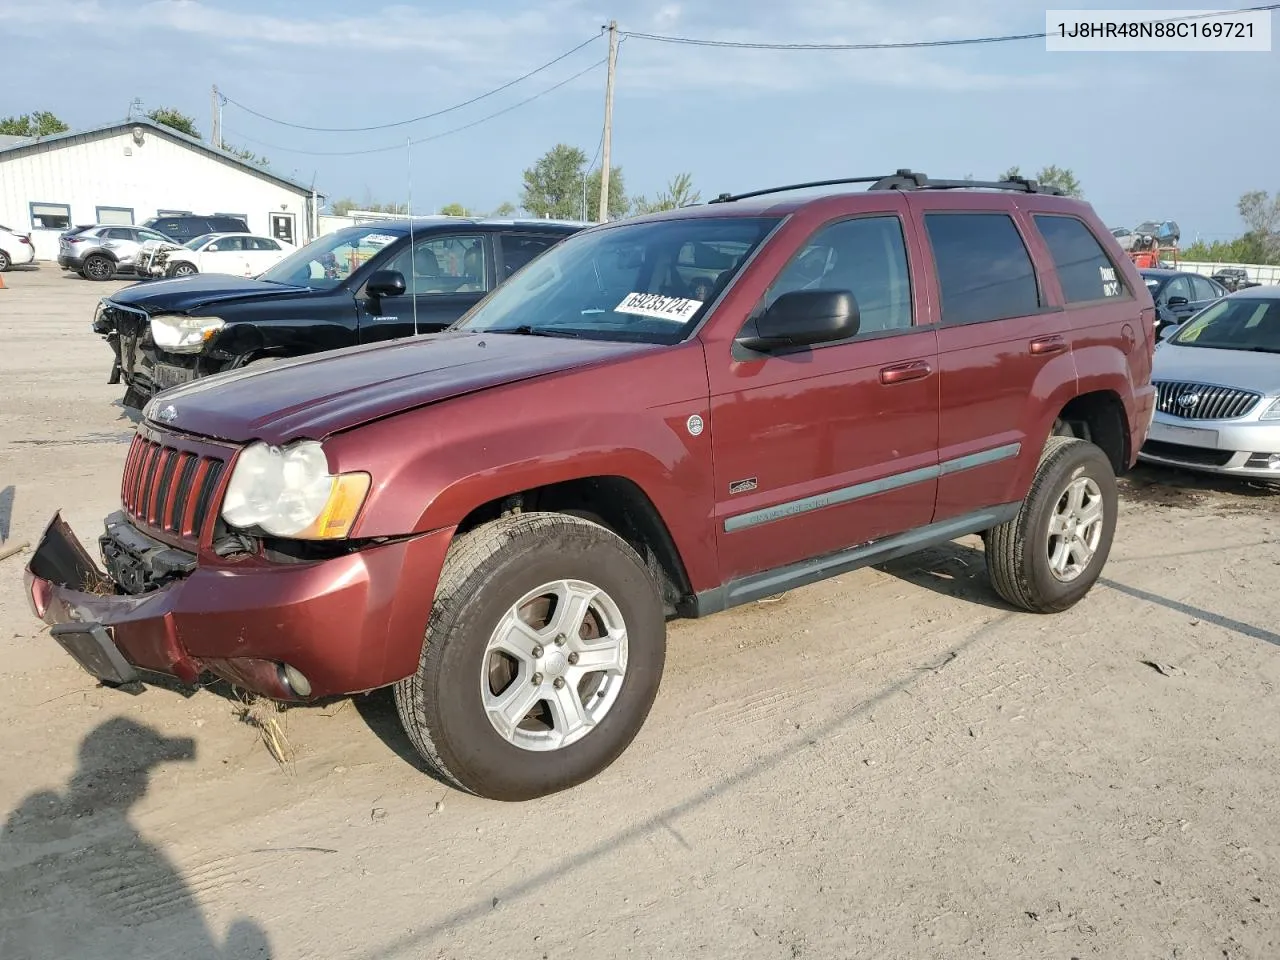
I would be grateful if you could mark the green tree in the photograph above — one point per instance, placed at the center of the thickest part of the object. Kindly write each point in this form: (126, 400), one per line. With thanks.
(174, 119)
(1261, 216)
(455, 210)
(553, 187)
(1051, 176)
(38, 123)
(679, 193)
(619, 205)
(248, 156)
(340, 208)
(505, 209)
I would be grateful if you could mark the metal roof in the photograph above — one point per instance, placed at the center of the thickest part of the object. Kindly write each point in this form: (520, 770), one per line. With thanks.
(11, 145)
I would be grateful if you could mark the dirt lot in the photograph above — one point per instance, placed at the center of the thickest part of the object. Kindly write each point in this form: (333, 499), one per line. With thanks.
(891, 764)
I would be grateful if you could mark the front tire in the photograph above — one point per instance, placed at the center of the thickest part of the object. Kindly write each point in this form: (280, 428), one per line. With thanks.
(543, 656)
(97, 267)
(1050, 555)
(183, 270)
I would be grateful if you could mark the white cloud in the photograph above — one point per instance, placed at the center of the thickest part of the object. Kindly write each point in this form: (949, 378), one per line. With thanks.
(476, 46)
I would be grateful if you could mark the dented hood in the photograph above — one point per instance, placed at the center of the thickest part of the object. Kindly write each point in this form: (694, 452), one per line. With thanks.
(313, 397)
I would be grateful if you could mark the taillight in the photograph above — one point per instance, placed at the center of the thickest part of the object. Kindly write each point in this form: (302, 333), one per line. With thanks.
(26, 240)
(76, 239)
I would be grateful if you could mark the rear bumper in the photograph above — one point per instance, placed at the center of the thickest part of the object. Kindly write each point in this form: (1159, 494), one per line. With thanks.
(348, 624)
(21, 254)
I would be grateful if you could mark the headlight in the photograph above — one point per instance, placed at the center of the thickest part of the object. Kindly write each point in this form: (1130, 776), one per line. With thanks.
(1272, 412)
(184, 334)
(289, 492)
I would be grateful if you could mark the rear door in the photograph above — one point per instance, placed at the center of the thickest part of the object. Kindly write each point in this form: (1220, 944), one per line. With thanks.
(226, 255)
(446, 275)
(1204, 292)
(514, 250)
(998, 333)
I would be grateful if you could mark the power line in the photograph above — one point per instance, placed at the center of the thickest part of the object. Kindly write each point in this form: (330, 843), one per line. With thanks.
(434, 136)
(904, 45)
(425, 116)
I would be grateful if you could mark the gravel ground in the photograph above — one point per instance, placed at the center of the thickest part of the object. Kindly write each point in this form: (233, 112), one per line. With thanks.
(890, 764)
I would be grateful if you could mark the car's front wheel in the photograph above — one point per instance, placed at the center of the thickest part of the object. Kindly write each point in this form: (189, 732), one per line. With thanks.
(543, 655)
(1049, 556)
(183, 270)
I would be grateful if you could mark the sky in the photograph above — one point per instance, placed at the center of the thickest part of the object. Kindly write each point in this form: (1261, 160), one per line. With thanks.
(1149, 135)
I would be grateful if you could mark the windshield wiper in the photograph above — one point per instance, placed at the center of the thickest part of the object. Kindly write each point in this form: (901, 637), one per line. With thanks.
(528, 330)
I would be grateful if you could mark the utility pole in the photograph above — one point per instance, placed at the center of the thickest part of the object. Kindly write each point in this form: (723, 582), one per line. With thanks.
(216, 136)
(608, 122)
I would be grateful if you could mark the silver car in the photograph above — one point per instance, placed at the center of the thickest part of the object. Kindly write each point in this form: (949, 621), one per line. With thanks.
(1218, 389)
(101, 251)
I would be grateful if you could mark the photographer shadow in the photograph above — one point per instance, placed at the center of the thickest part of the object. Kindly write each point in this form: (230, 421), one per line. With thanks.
(78, 880)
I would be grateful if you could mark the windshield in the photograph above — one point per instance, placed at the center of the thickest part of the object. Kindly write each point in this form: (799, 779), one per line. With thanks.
(1245, 324)
(196, 243)
(327, 261)
(641, 282)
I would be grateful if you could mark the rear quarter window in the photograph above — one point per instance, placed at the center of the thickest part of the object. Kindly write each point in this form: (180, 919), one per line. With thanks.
(1085, 272)
(984, 270)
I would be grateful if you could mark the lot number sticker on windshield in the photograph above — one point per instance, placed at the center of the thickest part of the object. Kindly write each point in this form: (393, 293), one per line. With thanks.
(379, 239)
(675, 309)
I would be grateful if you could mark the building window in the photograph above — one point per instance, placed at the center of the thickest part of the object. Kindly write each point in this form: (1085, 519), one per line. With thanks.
(50, 216)
(116, 215)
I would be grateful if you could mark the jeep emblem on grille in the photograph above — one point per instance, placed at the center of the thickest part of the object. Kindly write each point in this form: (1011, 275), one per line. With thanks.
(168, 414)
(1187, 400)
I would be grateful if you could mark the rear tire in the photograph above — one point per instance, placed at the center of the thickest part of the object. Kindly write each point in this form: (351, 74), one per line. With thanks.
(97, 267)
(1049, 556)
(5, 262)
(464, 707)
(183, 270)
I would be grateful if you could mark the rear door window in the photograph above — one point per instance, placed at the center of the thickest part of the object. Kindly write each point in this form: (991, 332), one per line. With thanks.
(1085, 272)
(519, 248)
(1204, 289)
(984, 270)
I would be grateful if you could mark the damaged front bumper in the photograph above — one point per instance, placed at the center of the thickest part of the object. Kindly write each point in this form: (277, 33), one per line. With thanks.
(286, 631)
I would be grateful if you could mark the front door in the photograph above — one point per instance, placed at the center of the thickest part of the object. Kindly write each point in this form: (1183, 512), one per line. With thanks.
(445, 277)
(827, 447)
(997, 334)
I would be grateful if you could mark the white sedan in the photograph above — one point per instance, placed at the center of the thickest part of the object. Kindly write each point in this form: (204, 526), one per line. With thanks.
(239, 254)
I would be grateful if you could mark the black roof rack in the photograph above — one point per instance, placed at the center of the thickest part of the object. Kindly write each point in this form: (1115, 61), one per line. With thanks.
(904, 180)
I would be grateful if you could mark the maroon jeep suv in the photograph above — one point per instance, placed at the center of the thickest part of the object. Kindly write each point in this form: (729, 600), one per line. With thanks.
(660, 417)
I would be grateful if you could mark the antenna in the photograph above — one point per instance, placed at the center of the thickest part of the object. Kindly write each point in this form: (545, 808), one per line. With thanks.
(413, 266)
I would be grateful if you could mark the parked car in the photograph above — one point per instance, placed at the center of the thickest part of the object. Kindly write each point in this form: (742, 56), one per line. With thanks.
(354, 286)
(659, 417)
(102, 251)
(1234, 278)
(239, 254)
(1124, 236)
(187, 227)
(1178, 295)
(1218, 383)
(16, 249)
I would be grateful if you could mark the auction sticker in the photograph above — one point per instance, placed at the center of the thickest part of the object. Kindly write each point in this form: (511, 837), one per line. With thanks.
(380, 239)
(676, 309)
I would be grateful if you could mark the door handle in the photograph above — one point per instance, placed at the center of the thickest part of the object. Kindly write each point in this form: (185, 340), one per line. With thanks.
(1048, 345)
(916, 370)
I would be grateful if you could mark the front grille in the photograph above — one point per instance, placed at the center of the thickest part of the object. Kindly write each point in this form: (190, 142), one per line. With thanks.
(1201, 456)
(169, 489)
(1201, 401)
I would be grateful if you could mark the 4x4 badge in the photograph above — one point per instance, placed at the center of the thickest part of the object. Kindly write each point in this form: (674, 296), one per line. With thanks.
(695, 425)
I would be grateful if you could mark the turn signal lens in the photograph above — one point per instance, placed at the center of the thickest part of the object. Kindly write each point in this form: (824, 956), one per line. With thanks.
(339, 513)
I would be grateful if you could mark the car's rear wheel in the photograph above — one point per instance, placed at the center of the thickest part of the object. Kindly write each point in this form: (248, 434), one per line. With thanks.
(543, 655)
(183, 270)
(5, 262)
(98, 267)
(1050, 555)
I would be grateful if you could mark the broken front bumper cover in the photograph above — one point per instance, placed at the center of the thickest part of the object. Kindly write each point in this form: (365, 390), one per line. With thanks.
(347, 624)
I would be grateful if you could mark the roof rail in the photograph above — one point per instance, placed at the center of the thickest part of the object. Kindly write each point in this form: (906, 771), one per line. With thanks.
(731, 197)
(907, 180)
(904, 180)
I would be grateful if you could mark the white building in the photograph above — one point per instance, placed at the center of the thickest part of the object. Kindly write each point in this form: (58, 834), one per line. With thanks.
(131, 171)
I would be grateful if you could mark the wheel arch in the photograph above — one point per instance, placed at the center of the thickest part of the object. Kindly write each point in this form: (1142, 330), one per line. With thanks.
(1099, 416)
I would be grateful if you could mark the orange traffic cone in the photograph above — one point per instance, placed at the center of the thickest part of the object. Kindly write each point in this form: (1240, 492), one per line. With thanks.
(1, 281)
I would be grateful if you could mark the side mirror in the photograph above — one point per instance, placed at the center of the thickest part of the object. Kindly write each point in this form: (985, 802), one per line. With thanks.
(385, 283)
(1178, 301)
(804, 318)
(1166, 331)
